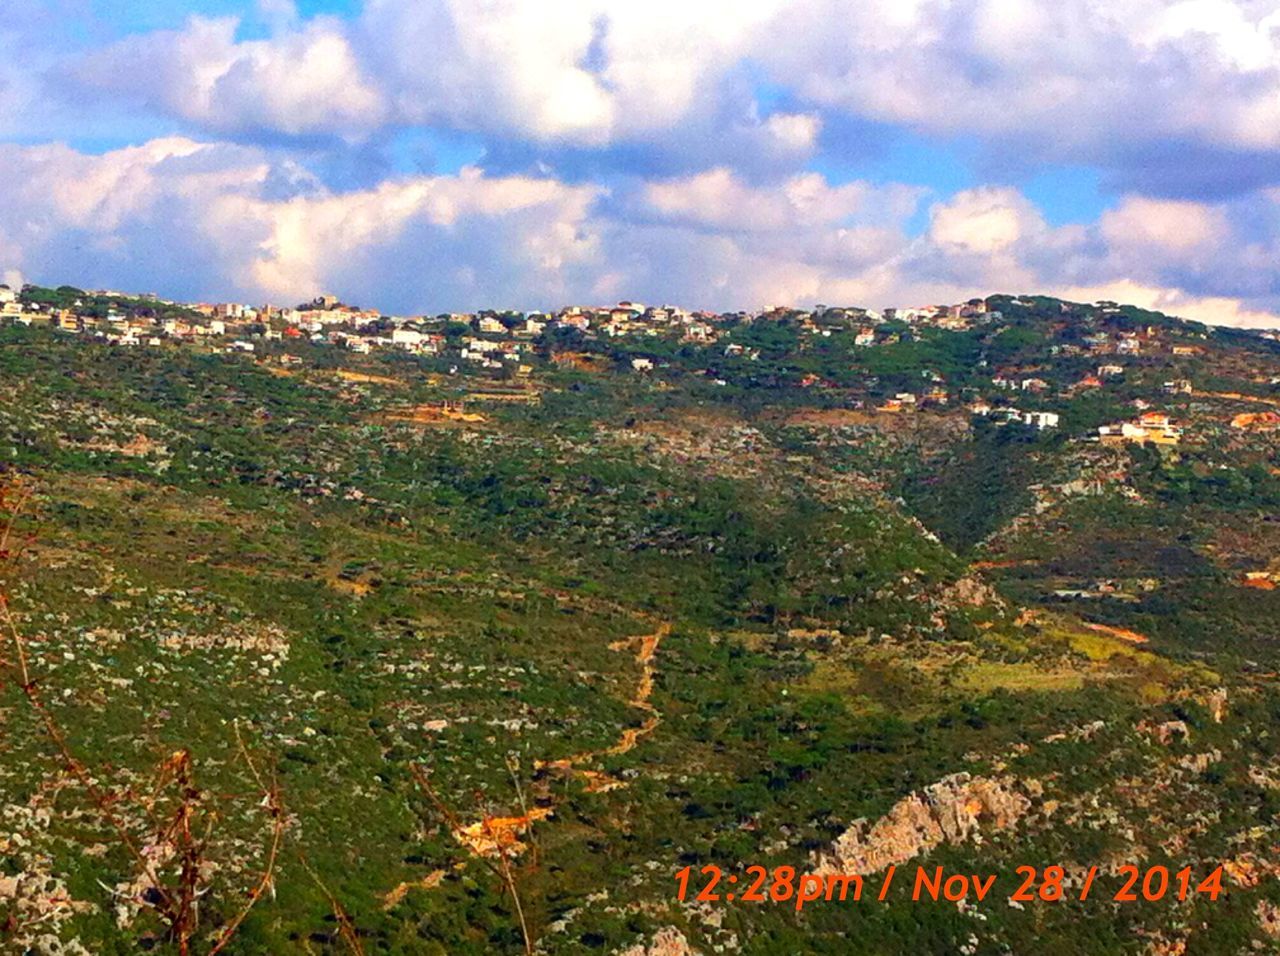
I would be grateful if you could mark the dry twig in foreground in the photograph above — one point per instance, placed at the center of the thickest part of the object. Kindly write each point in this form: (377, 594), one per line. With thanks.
(186, 837)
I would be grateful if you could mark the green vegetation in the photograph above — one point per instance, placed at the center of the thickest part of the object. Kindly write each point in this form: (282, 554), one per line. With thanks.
(694, 623)
(99, 306)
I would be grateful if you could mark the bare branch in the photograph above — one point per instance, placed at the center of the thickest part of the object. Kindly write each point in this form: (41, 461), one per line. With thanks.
(501, 869)
(271, 803)
(345, 927)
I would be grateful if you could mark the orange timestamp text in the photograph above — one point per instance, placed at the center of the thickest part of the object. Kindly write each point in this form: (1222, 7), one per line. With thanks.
(784, 884)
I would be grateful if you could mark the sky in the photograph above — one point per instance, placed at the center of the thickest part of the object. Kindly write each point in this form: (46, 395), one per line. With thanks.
(448, 155)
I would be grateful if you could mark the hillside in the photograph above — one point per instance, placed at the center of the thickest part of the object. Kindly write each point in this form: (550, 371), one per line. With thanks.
(368, 640)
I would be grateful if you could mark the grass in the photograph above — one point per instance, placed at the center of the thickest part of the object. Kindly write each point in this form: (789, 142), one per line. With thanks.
(988, 676)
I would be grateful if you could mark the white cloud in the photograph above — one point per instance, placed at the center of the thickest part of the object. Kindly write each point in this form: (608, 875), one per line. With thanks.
(582, 73)
(1077, 80)
(1176, 230)
(301, 81)
(703, 117)
(367, 241)
(501, 65)
(752, 245)
(55, 185)
(720, 199)
(202, 220)
(1243, 40)
(206, 220)
(984, 221)
(796, 132)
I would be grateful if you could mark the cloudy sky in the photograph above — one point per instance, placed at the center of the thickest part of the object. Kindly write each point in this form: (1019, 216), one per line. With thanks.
(424, 155)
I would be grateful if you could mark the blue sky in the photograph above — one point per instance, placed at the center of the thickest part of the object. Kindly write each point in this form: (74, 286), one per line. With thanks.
(451, 154)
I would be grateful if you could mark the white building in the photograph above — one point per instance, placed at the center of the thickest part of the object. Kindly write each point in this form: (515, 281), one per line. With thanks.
(406, 338)
(1040, 420)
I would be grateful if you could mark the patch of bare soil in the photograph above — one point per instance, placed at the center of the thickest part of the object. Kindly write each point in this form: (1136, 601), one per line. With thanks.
(433, 415)
(1133, 637)
(365, 378)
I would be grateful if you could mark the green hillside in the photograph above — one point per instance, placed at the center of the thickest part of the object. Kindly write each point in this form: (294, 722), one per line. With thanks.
(292, 629)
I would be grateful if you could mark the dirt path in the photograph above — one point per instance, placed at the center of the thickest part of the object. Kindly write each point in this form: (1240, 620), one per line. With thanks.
(1238, 397)
(1133, 637)
(501, 834)
(491, 834)
(646, 650)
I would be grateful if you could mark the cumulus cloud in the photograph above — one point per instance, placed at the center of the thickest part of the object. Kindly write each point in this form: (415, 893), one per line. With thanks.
(1175, 228)
(302, 81)
(1123, 86)
(984, 221)
(797, 132)
(203, 220)
(209, 220)
(667, 86)
(667, 150)
(721, 200)
(465, 238)
(1085, 79)
(504, 64)
(1118, 85)
(1185, 258)
(592, 71)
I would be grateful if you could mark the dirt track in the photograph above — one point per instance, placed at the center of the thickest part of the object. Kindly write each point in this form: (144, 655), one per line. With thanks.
(493, 834)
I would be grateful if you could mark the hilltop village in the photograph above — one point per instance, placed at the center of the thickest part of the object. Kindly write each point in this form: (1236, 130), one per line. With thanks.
(861, 358)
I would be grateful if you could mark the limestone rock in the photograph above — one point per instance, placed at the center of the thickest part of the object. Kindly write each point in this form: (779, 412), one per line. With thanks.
(1217, 704)
(1166, 731)
(667, 941)
(1269, 918)
(953, 810)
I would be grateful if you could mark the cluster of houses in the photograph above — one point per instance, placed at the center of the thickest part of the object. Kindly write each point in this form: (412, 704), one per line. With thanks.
(905, 401)
(1020, 384)
(326, 320)
(1149, 427)
(635, 318)
(1010, 415)
(115, 328)
(510, 340)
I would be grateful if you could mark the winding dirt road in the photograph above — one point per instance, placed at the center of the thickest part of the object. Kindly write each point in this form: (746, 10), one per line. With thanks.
(493, 834)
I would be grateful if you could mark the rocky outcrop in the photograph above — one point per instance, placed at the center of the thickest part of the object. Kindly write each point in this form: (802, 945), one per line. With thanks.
(970, 591)
(1268, 777)
(1084, 732)
(1166, 732)
(956, 809)
(1269, 918)
(1199, 763)
(667, 941)
(1216, 702)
